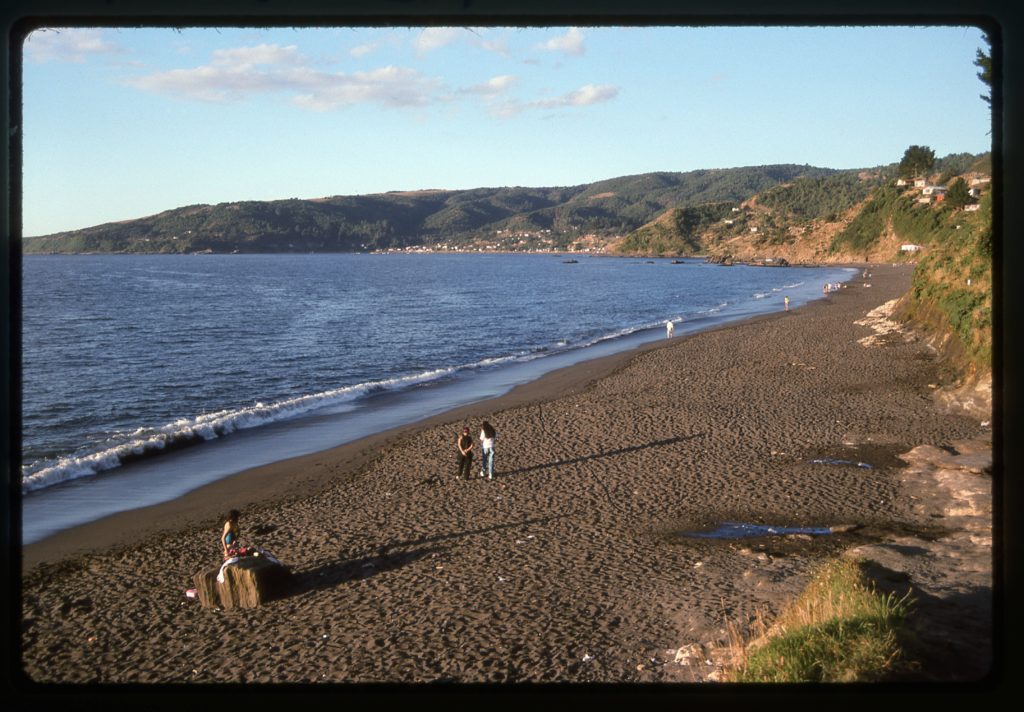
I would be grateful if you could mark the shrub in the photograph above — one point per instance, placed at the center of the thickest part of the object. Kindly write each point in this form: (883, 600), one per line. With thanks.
(839, 630)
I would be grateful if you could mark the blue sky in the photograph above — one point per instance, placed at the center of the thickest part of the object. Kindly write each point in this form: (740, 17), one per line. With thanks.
(120, 123)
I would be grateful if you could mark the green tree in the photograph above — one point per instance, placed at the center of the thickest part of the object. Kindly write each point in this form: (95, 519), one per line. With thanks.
(957, 195)
(983, 62)
(917, 161)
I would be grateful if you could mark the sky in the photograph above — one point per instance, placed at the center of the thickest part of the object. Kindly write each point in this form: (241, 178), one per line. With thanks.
(121, 123)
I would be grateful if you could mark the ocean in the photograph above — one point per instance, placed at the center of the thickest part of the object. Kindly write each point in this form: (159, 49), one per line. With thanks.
(146, 376)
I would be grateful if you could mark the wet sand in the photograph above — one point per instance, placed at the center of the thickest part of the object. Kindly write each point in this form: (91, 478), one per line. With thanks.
(569, 566)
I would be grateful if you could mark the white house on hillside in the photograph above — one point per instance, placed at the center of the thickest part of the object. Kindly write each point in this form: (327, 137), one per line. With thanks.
(910, 248)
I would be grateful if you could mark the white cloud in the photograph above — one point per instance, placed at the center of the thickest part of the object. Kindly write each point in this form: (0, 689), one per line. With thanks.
(435, 37)
(584, 96)
(590, 94)
(388, 86)
(67, 45)
(234, 74)
(569, 43)
(213, 83)
(493, 86)
(363, 49)
(245, 58)
(238, 73)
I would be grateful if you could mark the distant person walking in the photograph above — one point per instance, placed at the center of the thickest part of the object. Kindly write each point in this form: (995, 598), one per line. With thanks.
(464, 443)
(487, 437)
(786, 300)
(670, 329)
(229, 536)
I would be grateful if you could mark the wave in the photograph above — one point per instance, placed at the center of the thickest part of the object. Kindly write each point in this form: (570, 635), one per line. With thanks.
(146, 442)
(149, 442)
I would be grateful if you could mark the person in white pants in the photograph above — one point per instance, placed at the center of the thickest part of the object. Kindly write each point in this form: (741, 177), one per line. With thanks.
(487, 437)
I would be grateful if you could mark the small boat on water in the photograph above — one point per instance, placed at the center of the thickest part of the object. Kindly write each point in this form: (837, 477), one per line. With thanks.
(570, 262)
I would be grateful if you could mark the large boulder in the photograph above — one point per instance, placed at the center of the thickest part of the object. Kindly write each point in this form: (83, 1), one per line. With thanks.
(247, 583)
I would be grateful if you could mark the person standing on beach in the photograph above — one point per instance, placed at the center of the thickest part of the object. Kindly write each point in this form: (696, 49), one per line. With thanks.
(487, 437)
(465, 445)
(229, 536)
(670, 329)
(786, 299)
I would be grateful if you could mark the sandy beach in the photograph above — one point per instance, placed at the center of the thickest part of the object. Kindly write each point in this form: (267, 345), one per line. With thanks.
(572, 565)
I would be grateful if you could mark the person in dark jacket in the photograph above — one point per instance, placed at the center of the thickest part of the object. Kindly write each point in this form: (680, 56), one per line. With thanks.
(464, 443)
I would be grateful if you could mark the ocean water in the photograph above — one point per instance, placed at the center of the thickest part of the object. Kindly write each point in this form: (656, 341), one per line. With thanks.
(146, 376)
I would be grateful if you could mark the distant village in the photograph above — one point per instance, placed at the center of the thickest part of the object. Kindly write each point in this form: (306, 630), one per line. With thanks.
(933, 194)
(508, 240)
(937, 193)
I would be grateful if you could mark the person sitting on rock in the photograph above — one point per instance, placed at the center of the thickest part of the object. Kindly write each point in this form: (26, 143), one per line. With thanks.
(229, 537)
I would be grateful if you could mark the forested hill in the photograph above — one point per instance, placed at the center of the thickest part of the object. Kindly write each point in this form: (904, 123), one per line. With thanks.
(498, 218)
(845, 216)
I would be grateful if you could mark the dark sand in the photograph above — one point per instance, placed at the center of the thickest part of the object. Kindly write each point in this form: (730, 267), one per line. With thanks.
(568, 566)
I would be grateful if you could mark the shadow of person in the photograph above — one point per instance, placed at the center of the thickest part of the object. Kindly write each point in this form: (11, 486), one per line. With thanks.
(598, 455)
(388, 557)
(334, 573)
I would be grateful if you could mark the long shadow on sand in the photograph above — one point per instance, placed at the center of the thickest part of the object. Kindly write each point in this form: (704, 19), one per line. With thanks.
(599, 455)
(469, 532)
(334, 573)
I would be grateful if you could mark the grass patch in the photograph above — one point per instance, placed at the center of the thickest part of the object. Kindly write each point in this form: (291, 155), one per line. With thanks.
(838, 630)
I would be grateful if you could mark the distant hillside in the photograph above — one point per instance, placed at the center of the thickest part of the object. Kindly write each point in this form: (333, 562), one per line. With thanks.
(779, 221)
(677, 231)
(843, 216)
(500, 218)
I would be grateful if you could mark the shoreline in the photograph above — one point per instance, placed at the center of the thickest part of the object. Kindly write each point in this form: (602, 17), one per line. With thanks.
(265, 484)
(573, 565)
(269, 479)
